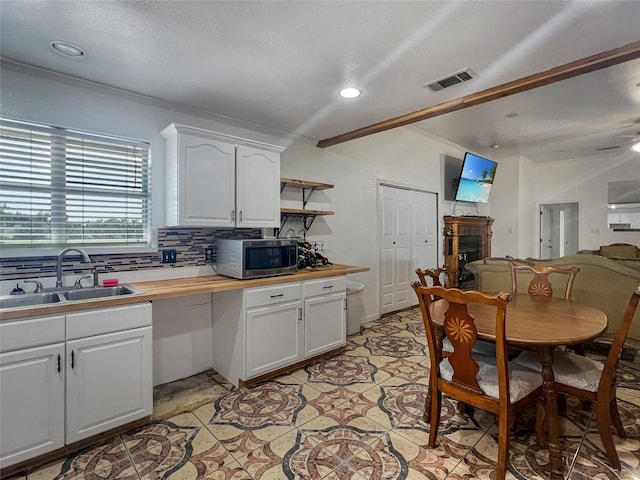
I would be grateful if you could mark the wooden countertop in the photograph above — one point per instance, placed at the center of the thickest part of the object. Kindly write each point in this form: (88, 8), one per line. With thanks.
(161, 289)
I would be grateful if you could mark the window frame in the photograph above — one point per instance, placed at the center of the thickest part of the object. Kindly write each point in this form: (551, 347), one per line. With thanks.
(62, 185)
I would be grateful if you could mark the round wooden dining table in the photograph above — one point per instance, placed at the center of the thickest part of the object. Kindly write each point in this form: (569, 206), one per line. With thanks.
(541, 323)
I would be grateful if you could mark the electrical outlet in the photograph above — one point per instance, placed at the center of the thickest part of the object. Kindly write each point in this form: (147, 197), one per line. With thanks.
(208, 254)
(169, 256)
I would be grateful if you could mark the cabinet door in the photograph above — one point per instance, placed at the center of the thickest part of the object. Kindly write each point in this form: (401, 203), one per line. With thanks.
(324, 324)
(273, 337)
(258, 188)
(206, 182)
(31, 402)
(109, 381)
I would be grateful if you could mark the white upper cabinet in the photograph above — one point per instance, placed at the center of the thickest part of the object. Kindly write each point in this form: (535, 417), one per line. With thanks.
(257, 188)
(216, 180)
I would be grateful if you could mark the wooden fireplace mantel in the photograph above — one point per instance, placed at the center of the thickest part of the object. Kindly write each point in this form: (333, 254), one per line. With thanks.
(466, 239)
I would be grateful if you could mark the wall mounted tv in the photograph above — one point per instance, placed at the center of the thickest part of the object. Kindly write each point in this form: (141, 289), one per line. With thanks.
(476, 179)
(452, 169)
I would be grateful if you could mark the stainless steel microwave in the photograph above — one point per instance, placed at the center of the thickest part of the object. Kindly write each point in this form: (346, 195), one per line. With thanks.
(246, 259)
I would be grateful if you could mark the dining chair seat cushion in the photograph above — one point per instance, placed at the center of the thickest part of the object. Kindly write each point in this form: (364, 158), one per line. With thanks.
(568, 369)
(522, 380)
(481, 346)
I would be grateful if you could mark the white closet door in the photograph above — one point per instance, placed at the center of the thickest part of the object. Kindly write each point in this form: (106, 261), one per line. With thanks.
(409, 240)
(424, 230)
(396, 249)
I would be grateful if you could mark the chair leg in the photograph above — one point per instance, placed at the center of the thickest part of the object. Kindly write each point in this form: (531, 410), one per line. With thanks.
(504, 431)
(435, 418)
(615, 418)
(603, 421)
(579, 349)
(426, 416)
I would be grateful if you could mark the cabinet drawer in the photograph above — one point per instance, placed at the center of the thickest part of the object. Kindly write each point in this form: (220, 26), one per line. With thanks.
(324, 286)
(257, 297)
(107, 320)
(31, 332)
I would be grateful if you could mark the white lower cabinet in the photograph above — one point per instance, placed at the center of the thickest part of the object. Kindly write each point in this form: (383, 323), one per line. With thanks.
(262, 329)
(31, 402)
(67, 377)
(273, 337)
(324, 315)
(109, 381)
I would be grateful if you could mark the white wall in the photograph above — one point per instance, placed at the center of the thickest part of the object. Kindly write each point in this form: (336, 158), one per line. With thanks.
(585, 181)
(504, 201)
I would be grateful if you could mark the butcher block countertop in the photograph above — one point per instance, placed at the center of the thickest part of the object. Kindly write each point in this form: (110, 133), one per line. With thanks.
(162, 289)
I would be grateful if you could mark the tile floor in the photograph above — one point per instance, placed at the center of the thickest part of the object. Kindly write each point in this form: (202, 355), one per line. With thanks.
(355, 416)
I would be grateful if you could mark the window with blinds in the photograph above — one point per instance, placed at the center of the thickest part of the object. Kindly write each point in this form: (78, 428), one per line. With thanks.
(62, 187)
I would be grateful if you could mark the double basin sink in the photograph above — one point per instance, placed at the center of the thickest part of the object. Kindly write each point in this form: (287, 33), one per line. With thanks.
(65, 295)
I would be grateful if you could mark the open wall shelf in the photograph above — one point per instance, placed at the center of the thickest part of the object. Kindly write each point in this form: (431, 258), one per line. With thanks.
(307, 188)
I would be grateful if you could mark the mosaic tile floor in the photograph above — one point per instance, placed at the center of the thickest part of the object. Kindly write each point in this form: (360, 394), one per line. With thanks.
(356, 416)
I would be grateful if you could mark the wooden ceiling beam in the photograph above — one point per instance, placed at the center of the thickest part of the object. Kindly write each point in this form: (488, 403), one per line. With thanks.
(557, 74)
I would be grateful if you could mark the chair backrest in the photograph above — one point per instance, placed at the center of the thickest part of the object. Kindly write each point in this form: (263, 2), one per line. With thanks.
(540, 283)
(433, 274)
(459, 326)
(608, 377)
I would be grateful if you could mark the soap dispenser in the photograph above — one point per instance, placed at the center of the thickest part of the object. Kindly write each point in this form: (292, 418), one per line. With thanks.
(17, 290)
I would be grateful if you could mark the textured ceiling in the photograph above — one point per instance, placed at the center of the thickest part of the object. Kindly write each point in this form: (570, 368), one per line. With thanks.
(280, 64)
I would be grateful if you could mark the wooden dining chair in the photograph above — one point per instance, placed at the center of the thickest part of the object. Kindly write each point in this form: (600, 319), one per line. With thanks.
(433, 274)
(489, 383)
(588, 379)
(540, 283)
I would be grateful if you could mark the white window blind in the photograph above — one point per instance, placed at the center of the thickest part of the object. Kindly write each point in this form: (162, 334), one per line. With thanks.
(62, 187)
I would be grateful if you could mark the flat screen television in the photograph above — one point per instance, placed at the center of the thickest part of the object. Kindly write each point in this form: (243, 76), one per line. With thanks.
(476, 179)
(452, 169)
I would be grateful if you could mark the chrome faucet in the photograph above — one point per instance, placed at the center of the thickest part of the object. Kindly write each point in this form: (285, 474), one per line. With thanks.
(85, 257)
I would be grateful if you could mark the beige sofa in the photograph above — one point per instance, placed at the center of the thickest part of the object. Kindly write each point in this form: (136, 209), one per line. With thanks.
(602, 282)
(623, 253)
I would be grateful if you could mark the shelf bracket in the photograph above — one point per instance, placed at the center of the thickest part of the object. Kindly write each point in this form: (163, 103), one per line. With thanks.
(306, 195)
(307, 219)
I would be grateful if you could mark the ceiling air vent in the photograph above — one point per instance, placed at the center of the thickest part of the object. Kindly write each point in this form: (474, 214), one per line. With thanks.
(451, 80)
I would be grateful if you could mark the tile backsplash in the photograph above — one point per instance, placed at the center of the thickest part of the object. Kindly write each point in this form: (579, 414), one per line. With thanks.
(189, 243)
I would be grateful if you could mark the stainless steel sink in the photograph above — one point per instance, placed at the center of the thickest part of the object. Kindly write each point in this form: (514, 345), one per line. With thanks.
(66, 295)
(29, 300)
(99, 292)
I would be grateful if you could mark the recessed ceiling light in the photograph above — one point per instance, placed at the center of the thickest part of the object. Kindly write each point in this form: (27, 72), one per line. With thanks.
(495, 145)
(636, 147)
(67, 50)
(350, 92)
